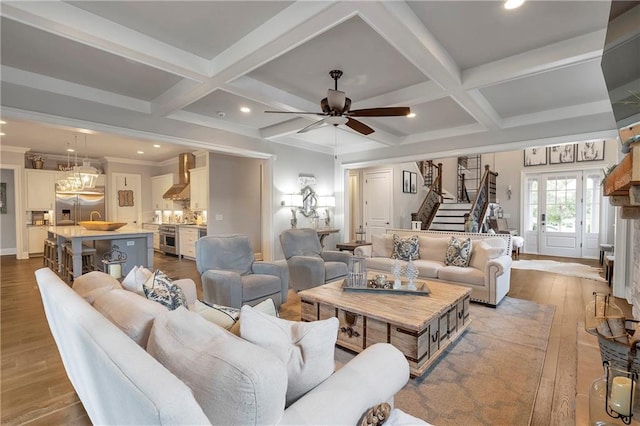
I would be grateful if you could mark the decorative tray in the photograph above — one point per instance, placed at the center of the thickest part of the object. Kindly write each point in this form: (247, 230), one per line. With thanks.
(420, 289)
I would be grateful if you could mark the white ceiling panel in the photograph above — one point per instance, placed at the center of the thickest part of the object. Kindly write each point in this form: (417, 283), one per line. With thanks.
(371, 66)
(203, 28)
(478, 32)
(39, 52)
(581, 84)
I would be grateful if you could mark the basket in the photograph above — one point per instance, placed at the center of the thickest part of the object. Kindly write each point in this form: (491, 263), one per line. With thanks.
(620, 355)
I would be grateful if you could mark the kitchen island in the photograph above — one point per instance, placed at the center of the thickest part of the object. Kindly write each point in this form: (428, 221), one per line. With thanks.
(137, 243)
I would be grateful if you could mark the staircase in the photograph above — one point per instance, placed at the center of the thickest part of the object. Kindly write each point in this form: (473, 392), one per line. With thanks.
(450, 217)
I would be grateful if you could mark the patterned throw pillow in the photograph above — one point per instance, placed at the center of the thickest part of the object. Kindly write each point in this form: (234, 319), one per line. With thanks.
(458, 252)
(161, 289)
(405, 248)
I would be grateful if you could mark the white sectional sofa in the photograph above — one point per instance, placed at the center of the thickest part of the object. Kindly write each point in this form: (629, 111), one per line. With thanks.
(102, 331)
(488, 273)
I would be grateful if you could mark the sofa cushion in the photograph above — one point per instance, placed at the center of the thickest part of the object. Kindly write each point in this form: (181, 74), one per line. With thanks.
(224, 316)
(405, 248)
(482, 253)
(234, 381)
(161, 289)
(432, 248)
(381, 245)
(131, 313)
(93, 284)
(458, 274)
(458, 252)
(306, 348)
(428, 268)
(380, 263)
(135, 279)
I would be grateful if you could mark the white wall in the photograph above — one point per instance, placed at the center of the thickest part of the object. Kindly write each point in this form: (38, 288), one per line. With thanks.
(8, 220)
(289, 162)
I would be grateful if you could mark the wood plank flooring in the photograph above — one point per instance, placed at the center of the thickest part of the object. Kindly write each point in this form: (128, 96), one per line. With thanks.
(36, 391)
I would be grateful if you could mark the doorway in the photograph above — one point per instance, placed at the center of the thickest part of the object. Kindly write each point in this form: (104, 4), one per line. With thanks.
(563, 213)
(378, 201)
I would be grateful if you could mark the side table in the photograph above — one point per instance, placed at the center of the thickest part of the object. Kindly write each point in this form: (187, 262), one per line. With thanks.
(351, 245)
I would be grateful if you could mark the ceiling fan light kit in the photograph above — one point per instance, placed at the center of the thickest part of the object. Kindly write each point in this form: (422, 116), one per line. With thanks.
(336, 107)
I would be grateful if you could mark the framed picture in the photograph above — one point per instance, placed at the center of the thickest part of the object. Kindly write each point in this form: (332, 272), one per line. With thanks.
(406, 181)
(560, 154)
(3, 198)
(414, 183)
(590, 151)
(535, 156)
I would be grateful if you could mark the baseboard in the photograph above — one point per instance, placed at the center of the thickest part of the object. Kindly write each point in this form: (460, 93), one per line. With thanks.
(8, 251)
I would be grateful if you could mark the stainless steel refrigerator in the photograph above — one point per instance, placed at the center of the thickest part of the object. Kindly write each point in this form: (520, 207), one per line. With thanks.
(72, 208)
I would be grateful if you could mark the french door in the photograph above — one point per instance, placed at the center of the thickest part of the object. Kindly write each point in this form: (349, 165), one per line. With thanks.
(562, 213)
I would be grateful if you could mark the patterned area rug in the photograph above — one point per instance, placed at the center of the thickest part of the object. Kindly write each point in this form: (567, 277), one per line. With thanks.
(563, 268)
(490, 376)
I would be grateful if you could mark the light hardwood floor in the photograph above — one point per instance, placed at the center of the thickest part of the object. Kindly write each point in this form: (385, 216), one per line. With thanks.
(35, 389)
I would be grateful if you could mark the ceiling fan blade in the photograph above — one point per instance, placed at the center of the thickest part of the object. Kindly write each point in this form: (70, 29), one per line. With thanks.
(359, 126)
(380, 112)
(295, 112)
(312, 126)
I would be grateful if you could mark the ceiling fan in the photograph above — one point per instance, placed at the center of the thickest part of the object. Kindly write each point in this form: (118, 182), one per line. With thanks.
(336, 108)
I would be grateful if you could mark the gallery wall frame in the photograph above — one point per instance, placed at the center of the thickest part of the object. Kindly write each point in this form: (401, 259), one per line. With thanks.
(414, 182)
(406, 181)
(535, 156)
(562, 154)
(3, 198)
(590, 151)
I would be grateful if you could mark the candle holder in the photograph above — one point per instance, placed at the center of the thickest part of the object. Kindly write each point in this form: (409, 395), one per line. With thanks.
(357, 272)
(621, 392)
(361, 235)
(113, 262)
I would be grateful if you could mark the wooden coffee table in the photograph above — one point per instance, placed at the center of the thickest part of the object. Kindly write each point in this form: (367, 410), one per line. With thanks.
(420, 326)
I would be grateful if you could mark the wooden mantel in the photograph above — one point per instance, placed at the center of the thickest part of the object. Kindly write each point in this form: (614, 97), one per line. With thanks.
(623, 184)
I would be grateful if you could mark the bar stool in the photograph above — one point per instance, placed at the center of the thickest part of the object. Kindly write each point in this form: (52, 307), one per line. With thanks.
(50, 257)
(608, 268)
(605, 248)
(88, 261)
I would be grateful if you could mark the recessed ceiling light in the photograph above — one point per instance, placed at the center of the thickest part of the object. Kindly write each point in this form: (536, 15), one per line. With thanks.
(513, 4)
(245, 109)
(70, 150)
(1, 134)
(411, 114)
(3, 122)
(140, 152)
(156, 145)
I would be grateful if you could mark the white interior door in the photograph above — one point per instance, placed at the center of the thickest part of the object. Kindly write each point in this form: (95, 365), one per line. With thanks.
(125, 198)
(560, 214)
(378, 201)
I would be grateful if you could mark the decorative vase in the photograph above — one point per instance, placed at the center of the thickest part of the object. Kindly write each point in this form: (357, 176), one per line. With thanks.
(411, 272)
(37, 164)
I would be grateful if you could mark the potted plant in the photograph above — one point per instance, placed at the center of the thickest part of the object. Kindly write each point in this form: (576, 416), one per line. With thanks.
(37, 161)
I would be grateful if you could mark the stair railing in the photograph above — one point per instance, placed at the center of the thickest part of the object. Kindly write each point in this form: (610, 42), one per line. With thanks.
(486, 194)
(427, 211)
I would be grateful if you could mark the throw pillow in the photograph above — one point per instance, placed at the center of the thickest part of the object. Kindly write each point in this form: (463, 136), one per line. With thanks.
(93, 284)
(306, 348)
(266, 306)
(159, 288)
(458, 252)
(405, 248)
(135, 279)
(381, 245)
(482, 253)
(234, 381)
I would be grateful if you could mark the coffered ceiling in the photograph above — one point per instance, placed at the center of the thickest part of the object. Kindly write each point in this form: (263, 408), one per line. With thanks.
(479, 77)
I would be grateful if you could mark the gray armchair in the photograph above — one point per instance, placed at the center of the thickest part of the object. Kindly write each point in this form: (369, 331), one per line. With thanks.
(309, 265)
(232, 277)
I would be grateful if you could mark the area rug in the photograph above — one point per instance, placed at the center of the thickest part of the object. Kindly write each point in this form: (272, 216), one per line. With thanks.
(490, 375)
(563, 268)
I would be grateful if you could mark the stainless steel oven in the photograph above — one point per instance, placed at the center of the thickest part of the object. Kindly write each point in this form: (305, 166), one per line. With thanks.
(168, 239)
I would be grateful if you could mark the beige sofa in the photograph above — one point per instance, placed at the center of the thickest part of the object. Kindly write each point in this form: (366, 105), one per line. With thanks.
(102, 331)
(488, 273)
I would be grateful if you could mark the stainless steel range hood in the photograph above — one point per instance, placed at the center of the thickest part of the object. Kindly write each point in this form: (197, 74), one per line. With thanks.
(181, 191)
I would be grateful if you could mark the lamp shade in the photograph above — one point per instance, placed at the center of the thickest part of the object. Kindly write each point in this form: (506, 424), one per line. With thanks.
(293, 200)
(326, 201)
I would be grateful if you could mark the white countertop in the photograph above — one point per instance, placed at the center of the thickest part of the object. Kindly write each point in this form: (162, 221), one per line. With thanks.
(80, 232)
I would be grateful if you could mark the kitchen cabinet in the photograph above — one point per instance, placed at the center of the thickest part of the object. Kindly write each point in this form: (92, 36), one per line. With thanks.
(40, 189)
(188, 237)
(156, 234)
(160, 185)
(199, 179)
(36, 236)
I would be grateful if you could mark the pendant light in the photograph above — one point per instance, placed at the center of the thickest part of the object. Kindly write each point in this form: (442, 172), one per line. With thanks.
(86, 174)
(69, 182)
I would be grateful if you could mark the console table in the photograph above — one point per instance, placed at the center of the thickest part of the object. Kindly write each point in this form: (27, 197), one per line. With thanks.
(322, 233)
(351, 245)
